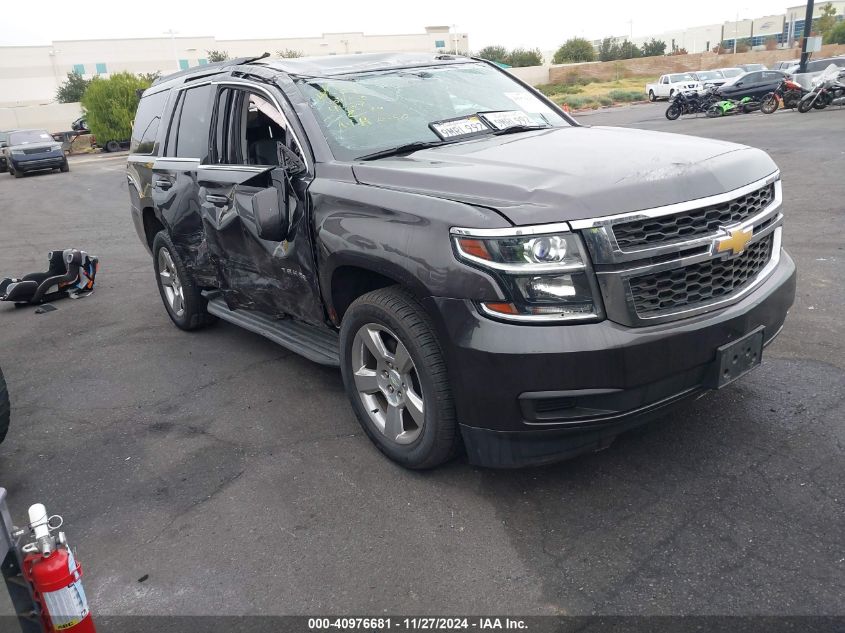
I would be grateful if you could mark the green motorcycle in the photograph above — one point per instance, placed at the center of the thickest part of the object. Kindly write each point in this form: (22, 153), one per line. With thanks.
(729, 106)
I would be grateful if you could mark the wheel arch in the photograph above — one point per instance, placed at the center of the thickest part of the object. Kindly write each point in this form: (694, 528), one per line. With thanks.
(355, 277)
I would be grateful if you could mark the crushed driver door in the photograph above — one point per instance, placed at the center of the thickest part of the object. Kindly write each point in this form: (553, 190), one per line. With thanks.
(274, 276)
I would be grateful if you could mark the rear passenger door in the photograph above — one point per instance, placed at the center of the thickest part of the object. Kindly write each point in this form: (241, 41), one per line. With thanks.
(175, 191)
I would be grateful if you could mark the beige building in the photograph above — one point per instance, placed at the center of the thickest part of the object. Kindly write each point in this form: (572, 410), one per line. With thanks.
(30, 75)
(785, 29)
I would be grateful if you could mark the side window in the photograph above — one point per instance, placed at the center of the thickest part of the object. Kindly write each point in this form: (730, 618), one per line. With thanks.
(147, 119)
(189, 131)
(772, 76)
(664, 79)
(248, 129)
(752, 78)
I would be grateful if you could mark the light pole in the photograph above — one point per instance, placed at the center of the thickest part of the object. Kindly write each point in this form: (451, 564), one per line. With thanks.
(455, 37)
(172, 35)
(736, 25)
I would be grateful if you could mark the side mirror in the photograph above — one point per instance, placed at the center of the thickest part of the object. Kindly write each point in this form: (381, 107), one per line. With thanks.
(270, 209)
(738, 84)
(289, 160)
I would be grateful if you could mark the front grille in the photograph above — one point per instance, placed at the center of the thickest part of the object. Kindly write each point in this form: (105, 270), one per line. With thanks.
(36, 150)
(690, 224)
(668, 291)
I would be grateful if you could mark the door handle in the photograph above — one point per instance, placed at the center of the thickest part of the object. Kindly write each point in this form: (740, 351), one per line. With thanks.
(164, 185)
(217, 200)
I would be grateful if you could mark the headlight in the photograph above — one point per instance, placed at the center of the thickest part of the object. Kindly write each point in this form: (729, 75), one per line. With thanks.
(17, 152)
(543, 269)
(55, 148)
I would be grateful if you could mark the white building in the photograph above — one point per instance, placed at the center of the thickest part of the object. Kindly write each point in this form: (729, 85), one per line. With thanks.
(30, 75)
(785, 29)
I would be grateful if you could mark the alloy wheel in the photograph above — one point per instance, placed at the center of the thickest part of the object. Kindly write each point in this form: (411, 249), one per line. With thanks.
(387, 383)
(170, 282)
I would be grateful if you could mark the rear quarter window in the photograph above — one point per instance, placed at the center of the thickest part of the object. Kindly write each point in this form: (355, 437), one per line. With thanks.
(189, 131)
(147, 120)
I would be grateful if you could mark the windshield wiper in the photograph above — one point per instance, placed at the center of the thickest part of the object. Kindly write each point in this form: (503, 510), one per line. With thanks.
(404, 149)
(513, 129)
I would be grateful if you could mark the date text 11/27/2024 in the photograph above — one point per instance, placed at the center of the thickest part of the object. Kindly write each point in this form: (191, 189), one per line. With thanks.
(416, 624)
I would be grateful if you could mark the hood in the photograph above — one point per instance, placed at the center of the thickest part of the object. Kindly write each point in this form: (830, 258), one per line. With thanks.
(572, 173)
(35, 147)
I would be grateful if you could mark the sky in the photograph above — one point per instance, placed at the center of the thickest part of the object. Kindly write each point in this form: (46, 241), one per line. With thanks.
(543, 25)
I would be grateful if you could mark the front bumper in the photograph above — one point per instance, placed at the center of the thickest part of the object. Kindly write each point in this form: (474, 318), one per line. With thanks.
(535, 394)
(36, 164)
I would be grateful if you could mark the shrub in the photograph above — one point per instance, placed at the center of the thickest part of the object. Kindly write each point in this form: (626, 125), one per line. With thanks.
(575, 49)
(494, 54)
(559, 89)
(836, 35)
(110, 106)
(520, 57)
(605, 101)
(626, 95)
(72, 89)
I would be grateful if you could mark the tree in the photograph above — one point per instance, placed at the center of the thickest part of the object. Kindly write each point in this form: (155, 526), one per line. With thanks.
(150, 78)
(836, 35)
(520, 57)
(575, 49)
(608, 49)
(217, 56)
(72, 89)
(629, 50)
(494, 54)
(825, 24)
(654, 47)
(682, 51)
(110, 105)
(289, 53)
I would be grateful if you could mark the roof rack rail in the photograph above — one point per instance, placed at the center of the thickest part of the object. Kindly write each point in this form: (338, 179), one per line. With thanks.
(210, 68)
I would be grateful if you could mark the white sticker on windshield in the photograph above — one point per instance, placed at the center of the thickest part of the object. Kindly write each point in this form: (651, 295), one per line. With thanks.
(464, 126)
(45, 136)
(508, 118)
(528, 102)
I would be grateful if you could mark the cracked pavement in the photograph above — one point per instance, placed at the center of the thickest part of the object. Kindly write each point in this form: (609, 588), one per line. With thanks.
(233, 475)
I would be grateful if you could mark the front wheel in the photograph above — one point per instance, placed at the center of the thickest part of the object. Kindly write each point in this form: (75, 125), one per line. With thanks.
(769, 103)
(64, 167)
(395, 376)
(805, 106)
(713, 112)
(673, 112)
(651, 96)
(180, 294)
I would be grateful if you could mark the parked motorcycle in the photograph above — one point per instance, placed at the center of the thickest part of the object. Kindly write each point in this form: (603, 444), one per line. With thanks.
(690, 102)
(828, 89)
(787, 95)
(731, 106)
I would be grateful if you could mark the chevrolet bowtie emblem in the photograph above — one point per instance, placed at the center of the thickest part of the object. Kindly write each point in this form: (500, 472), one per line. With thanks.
(735, 241)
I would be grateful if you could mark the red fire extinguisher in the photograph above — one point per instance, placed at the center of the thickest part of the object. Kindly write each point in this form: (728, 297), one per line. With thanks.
(56, 577)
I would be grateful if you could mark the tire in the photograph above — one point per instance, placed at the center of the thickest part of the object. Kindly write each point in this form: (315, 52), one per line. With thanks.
(65, 167)
(4, 167)
(426, 434)
(822, 102)
(651, 96)
(770, 103)
(713, 112)
(182, 298)
(5, 407)
(673, 112)
(16, 173)
(671, 93)
(804, 106)
(112, 146)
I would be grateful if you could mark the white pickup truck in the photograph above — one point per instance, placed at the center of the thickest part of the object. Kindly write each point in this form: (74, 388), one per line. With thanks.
(668, 85)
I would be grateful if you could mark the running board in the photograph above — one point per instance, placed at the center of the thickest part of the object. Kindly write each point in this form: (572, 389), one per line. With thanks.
(317, 344)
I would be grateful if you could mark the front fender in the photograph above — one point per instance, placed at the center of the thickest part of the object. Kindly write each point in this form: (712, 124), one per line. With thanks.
(400, 235)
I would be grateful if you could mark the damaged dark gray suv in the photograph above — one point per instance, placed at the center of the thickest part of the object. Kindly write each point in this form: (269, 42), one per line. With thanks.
(487, 273)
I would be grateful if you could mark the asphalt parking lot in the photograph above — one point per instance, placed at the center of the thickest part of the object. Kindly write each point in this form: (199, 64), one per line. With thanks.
(234, 477)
